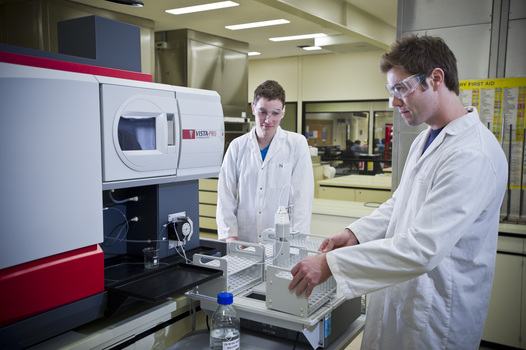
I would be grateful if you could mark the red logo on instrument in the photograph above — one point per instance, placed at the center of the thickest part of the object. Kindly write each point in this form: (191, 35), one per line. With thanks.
(188, 134)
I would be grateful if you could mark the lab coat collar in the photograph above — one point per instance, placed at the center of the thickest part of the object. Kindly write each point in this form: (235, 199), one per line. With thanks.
(455, 127)
(465, 122)
(275, 144)
(274, 147)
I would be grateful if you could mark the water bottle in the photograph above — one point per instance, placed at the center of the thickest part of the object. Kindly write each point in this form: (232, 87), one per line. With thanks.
(224, 331)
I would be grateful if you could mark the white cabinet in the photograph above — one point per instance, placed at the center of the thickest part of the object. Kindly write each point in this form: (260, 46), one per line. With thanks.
(208, 204)
(506, 320)
(330, 216)
(144, 327)
(355, 188)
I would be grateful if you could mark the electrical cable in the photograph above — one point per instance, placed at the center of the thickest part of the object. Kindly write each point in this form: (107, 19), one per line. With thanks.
(164, 239)
(160, 235)
(180, 244)
(184, 255)
(296, 341)
(125, 223)
(113, 239)
(131, 199)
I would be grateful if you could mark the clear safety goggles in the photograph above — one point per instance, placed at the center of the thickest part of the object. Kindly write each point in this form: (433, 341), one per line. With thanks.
(274, 114)
(406, 86)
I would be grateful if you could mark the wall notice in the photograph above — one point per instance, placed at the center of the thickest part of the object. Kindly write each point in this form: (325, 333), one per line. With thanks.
(501, 106)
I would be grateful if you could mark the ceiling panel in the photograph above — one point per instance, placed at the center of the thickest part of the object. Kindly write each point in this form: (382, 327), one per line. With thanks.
(214, 22)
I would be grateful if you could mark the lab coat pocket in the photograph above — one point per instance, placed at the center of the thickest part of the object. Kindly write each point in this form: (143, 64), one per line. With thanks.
(279, 174)
(417, 304)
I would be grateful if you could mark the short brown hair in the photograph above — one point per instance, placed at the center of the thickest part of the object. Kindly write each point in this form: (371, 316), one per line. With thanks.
(270, 90)
(420, 55)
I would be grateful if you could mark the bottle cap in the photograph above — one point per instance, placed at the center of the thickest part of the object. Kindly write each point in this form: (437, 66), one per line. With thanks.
(225, 298)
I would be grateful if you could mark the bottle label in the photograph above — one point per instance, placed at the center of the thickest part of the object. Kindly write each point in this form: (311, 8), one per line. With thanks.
(231, 345)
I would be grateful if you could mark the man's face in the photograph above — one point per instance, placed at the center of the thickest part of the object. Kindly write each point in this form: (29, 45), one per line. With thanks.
(268, 115)
(416, 107)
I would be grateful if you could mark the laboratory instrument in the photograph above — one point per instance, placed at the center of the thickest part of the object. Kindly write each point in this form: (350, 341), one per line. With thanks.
(111, 166)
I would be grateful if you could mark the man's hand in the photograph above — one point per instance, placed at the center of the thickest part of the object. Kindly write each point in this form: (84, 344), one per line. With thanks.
(308, 273)
(344, 238)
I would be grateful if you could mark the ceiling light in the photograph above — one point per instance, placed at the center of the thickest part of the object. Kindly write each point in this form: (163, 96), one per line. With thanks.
(257, 24)
(136, 3)
(311, 48)
(299, 37)
(205, 7)
(254, 53)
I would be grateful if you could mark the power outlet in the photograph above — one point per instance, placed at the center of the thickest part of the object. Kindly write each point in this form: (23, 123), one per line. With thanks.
(175, 216)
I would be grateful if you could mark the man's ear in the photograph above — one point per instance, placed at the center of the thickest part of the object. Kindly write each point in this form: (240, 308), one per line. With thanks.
(437, 78)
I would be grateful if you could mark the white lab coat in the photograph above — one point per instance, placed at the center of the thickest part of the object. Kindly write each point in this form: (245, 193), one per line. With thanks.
(428, 253)
(263, 186)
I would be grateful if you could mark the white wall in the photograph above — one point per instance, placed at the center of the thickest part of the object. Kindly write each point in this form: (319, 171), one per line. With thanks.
(323, 77)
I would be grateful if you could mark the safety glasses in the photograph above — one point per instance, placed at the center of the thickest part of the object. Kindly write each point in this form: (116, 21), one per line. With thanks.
(405, 87)
(274, 114)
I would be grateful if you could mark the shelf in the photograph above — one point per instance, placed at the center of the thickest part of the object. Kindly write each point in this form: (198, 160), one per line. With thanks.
(159, 285)
(125, 277)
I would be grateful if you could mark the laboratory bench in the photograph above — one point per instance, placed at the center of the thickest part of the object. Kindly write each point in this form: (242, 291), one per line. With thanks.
(174, 320)
(168, 325)
(251, 340)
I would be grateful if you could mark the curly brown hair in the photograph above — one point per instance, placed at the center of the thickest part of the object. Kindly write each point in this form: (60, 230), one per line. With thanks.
(421, 55)
(271, 90)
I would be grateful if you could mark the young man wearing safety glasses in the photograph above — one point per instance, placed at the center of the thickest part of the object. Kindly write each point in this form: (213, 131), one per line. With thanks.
(262, 170)
(427, 255)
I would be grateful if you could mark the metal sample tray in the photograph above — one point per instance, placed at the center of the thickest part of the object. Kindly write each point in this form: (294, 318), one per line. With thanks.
(249, 264)
(240, 269)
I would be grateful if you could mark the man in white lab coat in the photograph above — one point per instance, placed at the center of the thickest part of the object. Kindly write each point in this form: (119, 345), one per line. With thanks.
(262, 170)
(427, 255)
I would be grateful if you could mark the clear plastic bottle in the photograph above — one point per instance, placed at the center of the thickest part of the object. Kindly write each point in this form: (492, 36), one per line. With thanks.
(224, 331)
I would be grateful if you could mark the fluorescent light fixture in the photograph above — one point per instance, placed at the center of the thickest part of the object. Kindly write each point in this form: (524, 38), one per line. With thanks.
(299, 37)
(205, 7)
(311, 48)
(257, 24)
(254, 53)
